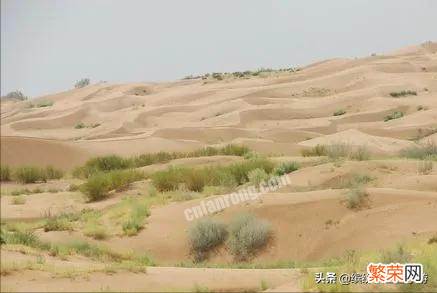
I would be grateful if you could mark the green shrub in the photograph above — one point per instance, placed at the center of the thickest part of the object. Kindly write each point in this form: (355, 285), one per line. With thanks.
(30, 174)
(403, 93)
(96, 232)
(57, 224)
(285, 168)
(136, 220)
(52, 173)
(421, 151)
(99, 184)
(82, 83)
(339, 112)
(248, 235)
(394, 115)
(104, 163)
(18, 200)
(240, 171)
(167, 180)
(44, 103)
(257, 176)
(204, 235)
(317, 151)
(5, 173)
(80, 125)
(195, 180)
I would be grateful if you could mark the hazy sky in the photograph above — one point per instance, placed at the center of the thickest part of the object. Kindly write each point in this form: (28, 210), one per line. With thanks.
(48, 45)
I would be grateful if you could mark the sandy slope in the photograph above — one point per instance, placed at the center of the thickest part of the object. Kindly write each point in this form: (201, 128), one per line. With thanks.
(280, 114)
(277, 114)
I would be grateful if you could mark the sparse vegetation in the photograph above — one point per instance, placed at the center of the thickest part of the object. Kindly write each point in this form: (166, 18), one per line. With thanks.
(82, 83)
(357, 198)
(81, 125)
(425, 167)
(44, 103)
(403, 93)
(18, 200)
(422, 151)
(394, 115)
(257, 176)
(339, 112)
(100, 184)
(60, 223)
(5, 174)
(285, 168)
(29, 174)
(15, 96)
(136, 220)
(204, 235)
(362, 153)
(247, 235)
(317, 151)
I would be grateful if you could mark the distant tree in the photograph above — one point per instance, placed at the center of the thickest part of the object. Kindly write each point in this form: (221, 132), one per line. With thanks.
(82, 83)
(15, 95)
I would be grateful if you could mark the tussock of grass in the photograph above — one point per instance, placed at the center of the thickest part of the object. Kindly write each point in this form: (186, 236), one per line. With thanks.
(425, 167)
(18, 200)
(257, 176)
(136, 220)
(30, 174)
(357, 198)
(247, 235)
(339, 112)
(317, 151)
(338, 151)
(204, 235)
(57, 224)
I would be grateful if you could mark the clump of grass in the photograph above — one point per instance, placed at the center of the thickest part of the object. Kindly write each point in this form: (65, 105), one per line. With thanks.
(421, 151)
(44, 103)
(18, 200)
(362, 153)
(102, 164)
(99, 184)
(96, 232)
(394, 115)
(257, 176)
(403, 93)
(57, 224)
(339, 112)
(136, 220)
(357, 198)
(317, 151)
(425, 167)
(5, 174)
(432, 240)
(285, 168)
(204, 235)
(81, 125)
(338, 150)
(248, 235)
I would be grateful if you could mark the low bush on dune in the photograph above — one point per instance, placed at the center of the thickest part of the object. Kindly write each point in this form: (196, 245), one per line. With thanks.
(247, 235)
(285, 168)
(204, 235)
(394, 115)
(339, 112)
(195, 179)
(425, 167)
(362, 153)
(82, 83)
(114, 162)
(136, 220)
(257, 176)
(357, 198)
(35, 174)
(100, 184)
(403, 93)
(57, 224)
(317, 151)
(421, 151)
(5, 174)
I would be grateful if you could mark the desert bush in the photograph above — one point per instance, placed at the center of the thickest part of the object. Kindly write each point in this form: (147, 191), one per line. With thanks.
(82, 83)
(362, 153)
(338, 150)
(96, 232)
(285, 168)
(5, 174)
(57, 224)
(204, 235)
(240, 171)
(339, 112)
(53, 173)
(80, 125)
(317, 151)
(257, 176)
(421, 151)
(248, 235)
(136, 220)
(403, 93)
(30, 174)
(425, 167)
(15, 95)
(101, 164)
(195, 180)
(394, 115)
(44, 103)
(99, 184)
(167, 180)
(357, 198)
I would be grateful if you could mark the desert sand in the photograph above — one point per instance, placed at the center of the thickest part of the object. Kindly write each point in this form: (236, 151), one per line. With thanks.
(277, 115)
